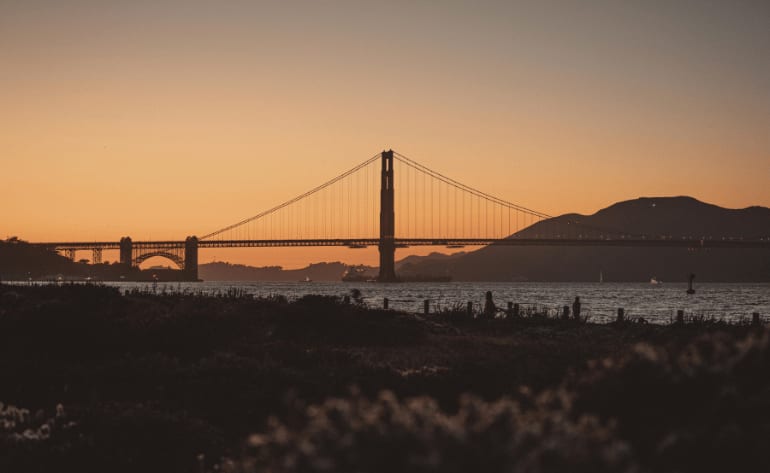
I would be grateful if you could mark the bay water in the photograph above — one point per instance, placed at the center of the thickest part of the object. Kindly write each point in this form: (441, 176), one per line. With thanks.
(656, 303)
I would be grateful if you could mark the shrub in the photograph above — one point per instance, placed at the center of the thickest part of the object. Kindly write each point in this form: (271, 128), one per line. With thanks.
(415, 435)
(705, 407)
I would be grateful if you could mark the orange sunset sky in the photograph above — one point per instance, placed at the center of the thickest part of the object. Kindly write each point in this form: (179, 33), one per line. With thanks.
(162, 119)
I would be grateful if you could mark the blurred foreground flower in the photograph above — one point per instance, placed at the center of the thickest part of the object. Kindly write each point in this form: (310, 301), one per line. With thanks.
(416, 435)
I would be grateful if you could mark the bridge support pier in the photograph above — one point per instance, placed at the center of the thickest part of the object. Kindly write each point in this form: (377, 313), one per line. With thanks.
(126, 252)
(387, 244)
(191, 258)
(96, 256)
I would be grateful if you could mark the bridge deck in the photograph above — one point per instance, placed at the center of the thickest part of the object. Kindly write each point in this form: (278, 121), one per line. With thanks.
(406, 242)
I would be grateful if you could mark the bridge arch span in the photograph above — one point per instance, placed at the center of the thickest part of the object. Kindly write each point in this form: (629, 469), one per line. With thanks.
(176, 259)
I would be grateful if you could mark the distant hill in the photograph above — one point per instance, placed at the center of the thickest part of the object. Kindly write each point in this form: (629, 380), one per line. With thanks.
(672, 216)
(434, 264)
(220, 271)
(20, 260)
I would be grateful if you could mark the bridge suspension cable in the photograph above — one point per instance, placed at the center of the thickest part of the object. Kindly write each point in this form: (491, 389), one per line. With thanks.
(460, 186)
(427, 204)
(557, 226)
(336, 194)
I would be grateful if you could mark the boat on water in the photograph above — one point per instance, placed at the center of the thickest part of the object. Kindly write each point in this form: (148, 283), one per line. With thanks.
(357, 274)
(655, 282)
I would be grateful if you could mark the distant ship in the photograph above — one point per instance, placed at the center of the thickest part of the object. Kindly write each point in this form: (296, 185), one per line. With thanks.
(655, 282)
(357, 274)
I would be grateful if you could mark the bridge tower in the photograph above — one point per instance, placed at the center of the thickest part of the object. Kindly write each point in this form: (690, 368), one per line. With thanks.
(191, 257)
(126, 252)
(387, 244)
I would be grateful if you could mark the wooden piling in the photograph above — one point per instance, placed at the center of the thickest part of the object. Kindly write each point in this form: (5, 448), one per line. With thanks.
(515, 310)
(385, 303)
(755, 320)
(426, 306)
(469, 308)
(565, 313)
(621, 314)
(680, 316)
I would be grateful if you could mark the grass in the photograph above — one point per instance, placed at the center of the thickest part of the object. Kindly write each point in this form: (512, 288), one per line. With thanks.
(149, 381)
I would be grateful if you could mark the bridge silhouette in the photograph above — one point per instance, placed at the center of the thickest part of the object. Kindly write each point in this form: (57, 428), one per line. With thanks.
(357, 209)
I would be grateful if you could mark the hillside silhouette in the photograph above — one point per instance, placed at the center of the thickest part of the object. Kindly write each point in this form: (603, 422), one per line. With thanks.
(221, 271)
(673, 217)
(20, 260)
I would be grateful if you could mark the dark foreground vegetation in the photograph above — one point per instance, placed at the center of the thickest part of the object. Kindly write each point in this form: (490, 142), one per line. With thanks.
(144, 382)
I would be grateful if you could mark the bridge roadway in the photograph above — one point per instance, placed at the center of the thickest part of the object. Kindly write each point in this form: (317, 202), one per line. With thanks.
(185, 253)
(407, 242)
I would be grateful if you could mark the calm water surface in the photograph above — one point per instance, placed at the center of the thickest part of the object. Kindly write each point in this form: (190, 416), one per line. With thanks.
(600, 301)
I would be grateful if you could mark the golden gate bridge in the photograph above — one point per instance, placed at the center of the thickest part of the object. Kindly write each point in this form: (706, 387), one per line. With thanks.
(363, 207)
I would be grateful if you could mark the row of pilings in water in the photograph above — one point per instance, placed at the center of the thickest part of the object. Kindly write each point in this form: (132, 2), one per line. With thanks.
(513, 310)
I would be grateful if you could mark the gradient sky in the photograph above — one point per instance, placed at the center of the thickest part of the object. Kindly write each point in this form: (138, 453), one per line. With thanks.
(160, 119)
